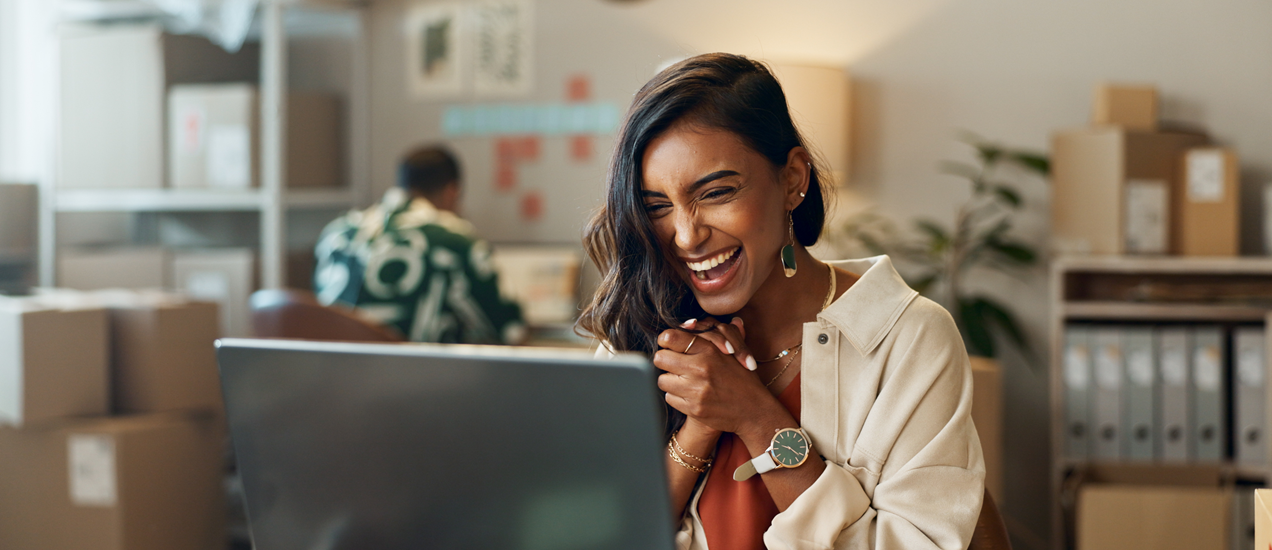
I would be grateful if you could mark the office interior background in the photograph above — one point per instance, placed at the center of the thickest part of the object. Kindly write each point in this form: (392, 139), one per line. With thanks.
(894, 88)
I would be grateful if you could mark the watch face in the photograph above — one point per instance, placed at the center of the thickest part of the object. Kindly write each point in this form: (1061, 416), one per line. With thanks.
(789, 448)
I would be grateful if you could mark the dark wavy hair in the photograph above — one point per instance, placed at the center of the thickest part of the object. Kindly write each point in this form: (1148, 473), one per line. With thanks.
(640, 294)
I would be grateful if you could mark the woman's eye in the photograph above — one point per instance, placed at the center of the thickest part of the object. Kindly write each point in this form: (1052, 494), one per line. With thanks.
(656, 209)
(719, 192)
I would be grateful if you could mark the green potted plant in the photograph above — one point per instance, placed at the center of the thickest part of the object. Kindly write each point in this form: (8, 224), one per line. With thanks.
(936, 258)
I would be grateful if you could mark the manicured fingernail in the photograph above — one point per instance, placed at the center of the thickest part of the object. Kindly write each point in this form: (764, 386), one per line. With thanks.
(739, 320)
(728, 347)
(750, 363)
(688, 323)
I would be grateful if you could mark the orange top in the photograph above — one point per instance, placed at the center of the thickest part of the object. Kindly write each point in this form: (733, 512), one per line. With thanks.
(735, 514)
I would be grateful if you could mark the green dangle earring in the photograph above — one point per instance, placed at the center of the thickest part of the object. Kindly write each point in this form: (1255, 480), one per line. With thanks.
(788, 251)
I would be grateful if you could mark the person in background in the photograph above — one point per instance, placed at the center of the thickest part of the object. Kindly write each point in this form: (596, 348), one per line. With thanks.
(411, 263)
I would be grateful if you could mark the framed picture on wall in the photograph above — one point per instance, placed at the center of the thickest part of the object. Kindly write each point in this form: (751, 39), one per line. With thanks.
(502, 40)
(436, 60)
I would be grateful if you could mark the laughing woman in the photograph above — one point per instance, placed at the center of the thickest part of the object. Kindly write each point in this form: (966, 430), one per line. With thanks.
(810, 405)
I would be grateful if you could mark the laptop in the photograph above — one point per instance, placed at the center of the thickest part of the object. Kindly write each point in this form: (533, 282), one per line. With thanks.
(390, 446)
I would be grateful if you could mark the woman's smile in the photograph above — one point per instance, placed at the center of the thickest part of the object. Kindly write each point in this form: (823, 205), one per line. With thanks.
(715, 272)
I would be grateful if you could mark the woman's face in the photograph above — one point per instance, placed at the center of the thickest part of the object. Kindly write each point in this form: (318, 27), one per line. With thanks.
(719, 211)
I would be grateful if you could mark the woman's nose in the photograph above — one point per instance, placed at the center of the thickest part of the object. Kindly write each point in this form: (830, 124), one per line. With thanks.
(691, 233)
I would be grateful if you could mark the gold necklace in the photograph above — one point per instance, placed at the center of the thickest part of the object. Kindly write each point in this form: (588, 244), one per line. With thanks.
(784, 353)
(783, 371)
(794, 350)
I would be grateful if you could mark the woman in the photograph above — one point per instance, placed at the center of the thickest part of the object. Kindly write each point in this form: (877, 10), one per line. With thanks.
(849, 395)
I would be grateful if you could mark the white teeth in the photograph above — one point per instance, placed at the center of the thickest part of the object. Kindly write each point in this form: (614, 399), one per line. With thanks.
(709, 263)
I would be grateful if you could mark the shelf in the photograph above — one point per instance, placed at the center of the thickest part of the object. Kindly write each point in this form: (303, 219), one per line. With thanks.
(175, 200)
(1162, 312)
(1128, 468)
(1165, 264)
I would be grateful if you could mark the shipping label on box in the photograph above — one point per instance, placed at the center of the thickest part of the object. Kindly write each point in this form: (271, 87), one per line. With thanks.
(1147, 216)
(92, 469)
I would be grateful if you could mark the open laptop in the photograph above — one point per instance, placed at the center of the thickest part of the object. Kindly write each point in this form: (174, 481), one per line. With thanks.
(389, 446)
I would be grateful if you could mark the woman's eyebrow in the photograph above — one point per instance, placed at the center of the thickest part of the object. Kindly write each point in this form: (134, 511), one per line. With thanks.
(697, 184)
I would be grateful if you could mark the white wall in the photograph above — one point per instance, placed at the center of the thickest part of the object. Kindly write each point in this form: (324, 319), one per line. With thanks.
(1009, 70)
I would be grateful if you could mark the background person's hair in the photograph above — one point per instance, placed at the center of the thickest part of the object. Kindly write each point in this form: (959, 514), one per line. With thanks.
(427, 170)
(640, 294)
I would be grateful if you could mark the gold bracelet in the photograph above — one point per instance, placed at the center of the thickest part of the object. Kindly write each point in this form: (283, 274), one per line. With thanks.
(704, 461)
(672, 453)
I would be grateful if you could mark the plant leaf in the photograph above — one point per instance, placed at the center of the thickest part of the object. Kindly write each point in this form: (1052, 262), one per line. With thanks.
(1005, 321)
(975, 327)
(1036, 162)
(933, 229)
(1008, 195)
(1016, 252)
(989, 153)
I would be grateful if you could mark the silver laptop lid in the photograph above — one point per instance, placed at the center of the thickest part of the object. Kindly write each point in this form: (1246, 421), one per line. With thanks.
(385, 446)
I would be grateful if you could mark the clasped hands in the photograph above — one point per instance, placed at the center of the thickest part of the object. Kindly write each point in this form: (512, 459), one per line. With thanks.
(708, 379)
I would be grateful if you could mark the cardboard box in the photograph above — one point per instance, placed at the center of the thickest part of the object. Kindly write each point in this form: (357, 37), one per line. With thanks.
(114, 80)
(1127, 106)
(1262, 518)
(1209, 220)
(53, 362)
(1160, 517)
(162, 348)
(214, 138)
(1091, 169)
(100, 268)
(987, 414)
(133, 483)
(225, 276)
(163, 356)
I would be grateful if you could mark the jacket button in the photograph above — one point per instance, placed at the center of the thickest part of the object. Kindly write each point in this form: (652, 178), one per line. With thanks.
(822, 338)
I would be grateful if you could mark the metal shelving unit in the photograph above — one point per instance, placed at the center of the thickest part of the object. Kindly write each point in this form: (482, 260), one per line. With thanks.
(272, 200)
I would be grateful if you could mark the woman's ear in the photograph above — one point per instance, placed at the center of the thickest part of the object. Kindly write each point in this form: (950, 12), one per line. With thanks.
(796, 176)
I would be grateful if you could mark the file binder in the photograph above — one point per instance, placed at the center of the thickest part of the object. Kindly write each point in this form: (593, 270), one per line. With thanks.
(1077, 381)
(1106, 341)
(1209, 435)
(1250, 362)
(1176, 419)
(1141, 393)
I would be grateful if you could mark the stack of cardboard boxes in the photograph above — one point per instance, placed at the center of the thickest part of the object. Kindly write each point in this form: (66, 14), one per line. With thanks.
(112, 433)
(1126, 186)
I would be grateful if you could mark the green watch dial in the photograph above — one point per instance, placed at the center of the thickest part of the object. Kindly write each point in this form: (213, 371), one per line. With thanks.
(790, 448)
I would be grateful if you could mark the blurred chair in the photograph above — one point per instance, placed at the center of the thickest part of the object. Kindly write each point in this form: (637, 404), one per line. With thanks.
(990, 533)
(289, 313)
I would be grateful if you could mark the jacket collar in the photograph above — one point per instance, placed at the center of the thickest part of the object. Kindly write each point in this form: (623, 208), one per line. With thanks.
(869, 309)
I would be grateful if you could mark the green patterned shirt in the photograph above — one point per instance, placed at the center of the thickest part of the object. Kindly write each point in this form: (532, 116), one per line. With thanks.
(417, 269)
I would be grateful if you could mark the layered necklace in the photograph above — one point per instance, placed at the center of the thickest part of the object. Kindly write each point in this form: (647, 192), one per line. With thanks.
(794, 350)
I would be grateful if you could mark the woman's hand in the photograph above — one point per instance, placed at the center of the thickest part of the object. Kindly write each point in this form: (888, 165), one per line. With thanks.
(709, 381)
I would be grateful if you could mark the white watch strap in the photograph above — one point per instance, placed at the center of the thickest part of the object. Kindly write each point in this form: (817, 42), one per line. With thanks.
(757, 465)
(764, 463)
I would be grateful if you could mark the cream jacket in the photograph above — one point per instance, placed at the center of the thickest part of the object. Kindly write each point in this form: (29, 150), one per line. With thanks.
(886, 394)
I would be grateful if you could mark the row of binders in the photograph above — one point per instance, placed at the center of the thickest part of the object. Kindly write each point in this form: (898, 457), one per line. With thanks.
(1169, 393)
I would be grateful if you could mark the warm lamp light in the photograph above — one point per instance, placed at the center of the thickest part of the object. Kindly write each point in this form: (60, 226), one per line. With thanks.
(819, 98)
